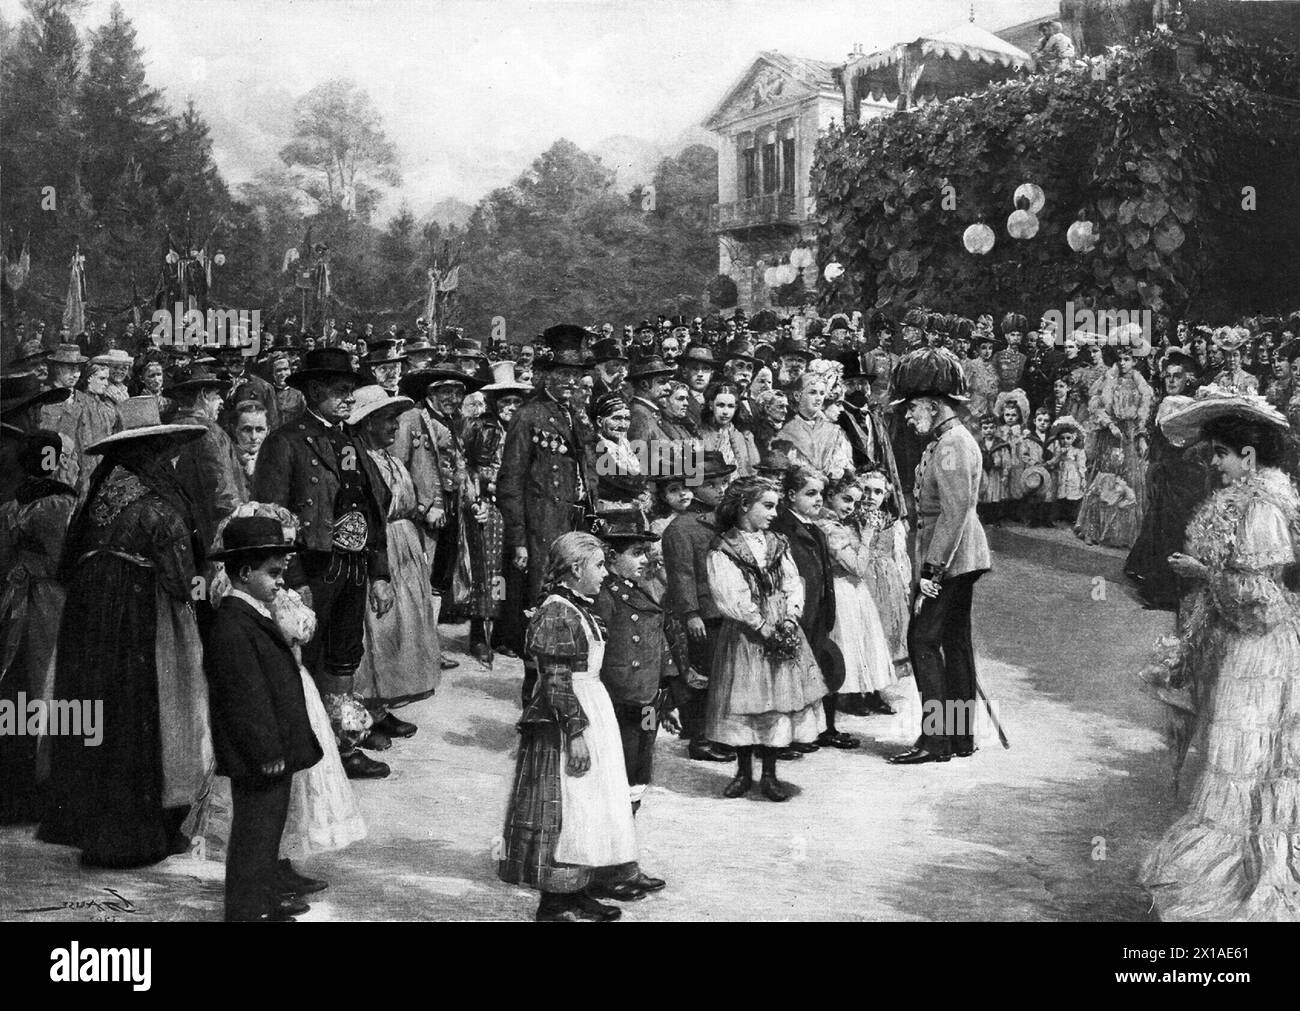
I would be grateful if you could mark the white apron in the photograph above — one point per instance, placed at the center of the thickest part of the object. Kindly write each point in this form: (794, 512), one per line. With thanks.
(596, 827)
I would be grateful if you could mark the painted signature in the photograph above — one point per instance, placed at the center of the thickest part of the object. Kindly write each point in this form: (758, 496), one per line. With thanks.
(119, 903)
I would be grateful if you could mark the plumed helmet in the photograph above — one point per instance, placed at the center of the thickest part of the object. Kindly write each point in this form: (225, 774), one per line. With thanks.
(929, 372)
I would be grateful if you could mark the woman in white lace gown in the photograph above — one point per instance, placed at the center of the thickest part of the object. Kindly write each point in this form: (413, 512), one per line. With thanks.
(1233, 855)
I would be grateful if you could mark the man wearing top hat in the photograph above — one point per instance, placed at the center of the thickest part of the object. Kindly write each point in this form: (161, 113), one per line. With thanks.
(207, 468)
(546, 485)
(608, 369)
(951, 553)
(323, 474)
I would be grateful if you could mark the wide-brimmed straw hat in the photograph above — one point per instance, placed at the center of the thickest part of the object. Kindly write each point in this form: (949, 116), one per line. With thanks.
(1183, 425)
(141, 423)
(366, 400)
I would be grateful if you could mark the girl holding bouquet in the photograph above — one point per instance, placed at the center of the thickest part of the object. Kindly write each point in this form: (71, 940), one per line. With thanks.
(765, 690)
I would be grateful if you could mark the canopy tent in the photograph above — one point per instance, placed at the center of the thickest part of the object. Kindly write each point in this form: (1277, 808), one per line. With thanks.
(934, 67)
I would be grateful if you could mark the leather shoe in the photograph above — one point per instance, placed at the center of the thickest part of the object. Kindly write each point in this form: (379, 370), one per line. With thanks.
(376, 740)
(917, 756)
(804, 747)
(648, 884)
(619, 891)
(276, 918)
(965, 752)
(359, 766)
(706, 751)
(291, 906)
(773, 789)
(738, 787)
(507, 651)
(589, 909)
(788, 755)
(290, 882)
(449, 664)
(834, 739)
(393, 727)
(479, 652)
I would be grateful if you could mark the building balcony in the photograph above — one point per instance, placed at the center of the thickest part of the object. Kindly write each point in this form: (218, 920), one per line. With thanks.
(757, 212)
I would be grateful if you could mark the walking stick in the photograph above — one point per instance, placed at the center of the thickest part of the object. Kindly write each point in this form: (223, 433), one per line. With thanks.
(988, 708)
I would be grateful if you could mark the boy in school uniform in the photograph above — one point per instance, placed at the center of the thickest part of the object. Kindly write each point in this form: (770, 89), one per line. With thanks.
(260, 729)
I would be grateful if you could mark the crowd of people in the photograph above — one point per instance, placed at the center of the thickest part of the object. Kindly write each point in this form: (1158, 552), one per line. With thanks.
(736, 528)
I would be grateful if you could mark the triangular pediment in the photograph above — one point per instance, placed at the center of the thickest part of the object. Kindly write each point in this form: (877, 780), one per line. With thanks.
(772, 79)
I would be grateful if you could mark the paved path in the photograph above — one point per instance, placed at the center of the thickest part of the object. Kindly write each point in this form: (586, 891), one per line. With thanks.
(1049, 830)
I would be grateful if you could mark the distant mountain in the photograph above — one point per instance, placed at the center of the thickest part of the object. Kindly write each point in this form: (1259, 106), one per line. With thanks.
(635, 159)
(450, 212)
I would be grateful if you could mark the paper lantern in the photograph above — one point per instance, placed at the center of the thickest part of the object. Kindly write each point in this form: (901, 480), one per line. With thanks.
(1022, 224)
(788, 273)
(1034, 194)
(219, 259)
(1081, 236)
(173, 256)
(834, 271)
(978, 238)
(800, 257)
(772, 277)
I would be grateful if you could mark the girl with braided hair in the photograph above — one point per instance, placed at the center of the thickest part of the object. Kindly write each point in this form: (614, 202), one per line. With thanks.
(569, 824)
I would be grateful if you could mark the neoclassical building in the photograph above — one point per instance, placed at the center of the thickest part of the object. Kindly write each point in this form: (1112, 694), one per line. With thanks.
(769, 121)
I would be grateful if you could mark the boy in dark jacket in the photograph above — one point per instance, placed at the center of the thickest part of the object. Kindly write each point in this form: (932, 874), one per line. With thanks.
(260, 729)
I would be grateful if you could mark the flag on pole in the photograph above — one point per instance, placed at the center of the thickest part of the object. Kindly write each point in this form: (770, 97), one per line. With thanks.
(135, 303)
(450, 279)
(74, 309)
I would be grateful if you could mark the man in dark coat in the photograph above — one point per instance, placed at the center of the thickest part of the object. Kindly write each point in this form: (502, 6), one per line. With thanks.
(812, 557)
(546, 484)
(261, 734)
(322, 473)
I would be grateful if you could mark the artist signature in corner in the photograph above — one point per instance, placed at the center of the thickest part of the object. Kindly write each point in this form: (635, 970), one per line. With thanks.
(119, 903)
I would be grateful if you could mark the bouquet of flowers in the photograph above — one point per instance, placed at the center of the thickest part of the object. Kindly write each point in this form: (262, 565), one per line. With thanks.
(785, 641)
(1164, 674)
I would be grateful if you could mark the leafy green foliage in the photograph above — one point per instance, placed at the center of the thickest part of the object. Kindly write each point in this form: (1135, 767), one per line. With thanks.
(1157, 162)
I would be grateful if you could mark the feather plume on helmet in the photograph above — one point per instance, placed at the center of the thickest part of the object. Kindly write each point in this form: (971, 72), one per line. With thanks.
(929, 372)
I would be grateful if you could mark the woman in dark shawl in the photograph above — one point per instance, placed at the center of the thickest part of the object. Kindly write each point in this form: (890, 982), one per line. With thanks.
(129, 644)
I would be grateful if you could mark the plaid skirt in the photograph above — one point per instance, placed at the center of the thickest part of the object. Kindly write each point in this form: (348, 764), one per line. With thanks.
(532, 827)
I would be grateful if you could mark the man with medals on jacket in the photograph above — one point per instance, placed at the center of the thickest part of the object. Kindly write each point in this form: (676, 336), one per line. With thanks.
(545, 486)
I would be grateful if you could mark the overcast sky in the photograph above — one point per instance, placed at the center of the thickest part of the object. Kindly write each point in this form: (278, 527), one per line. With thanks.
(473, 90)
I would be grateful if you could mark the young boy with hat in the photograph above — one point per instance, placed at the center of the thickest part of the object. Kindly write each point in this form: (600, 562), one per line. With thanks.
(260, 728)
(636, 666)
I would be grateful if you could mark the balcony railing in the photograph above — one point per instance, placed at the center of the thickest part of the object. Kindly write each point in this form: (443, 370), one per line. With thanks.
(769, 209)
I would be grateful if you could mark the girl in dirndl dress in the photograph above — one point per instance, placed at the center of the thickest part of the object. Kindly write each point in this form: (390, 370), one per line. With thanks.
(765, 689)
(889, 574)
(568, 816)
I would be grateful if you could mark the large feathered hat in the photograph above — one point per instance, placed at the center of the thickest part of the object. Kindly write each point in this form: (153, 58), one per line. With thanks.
(1182, 426)
(929, 372)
